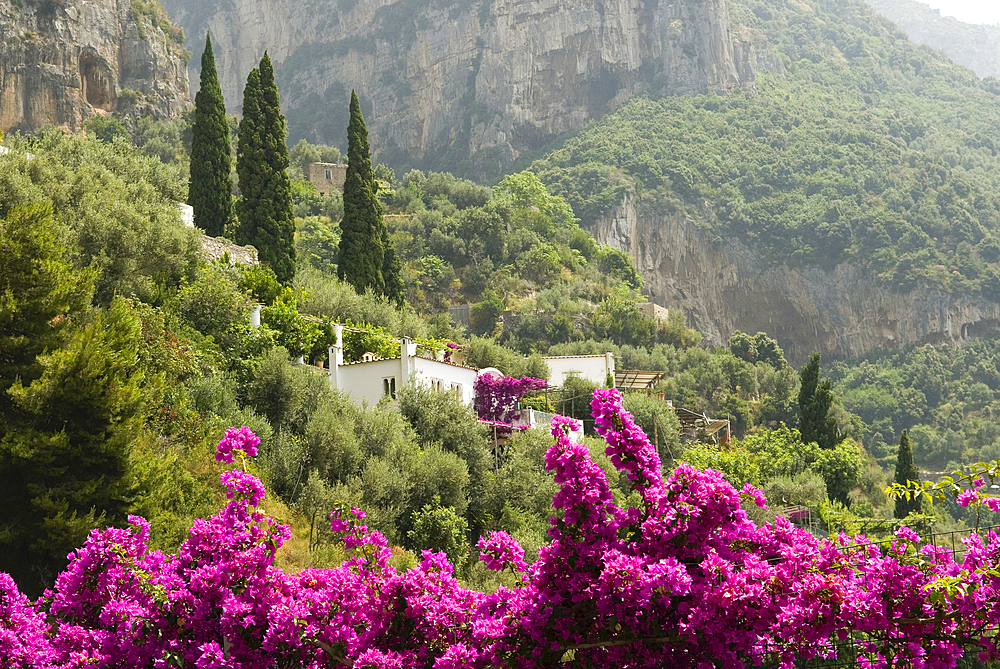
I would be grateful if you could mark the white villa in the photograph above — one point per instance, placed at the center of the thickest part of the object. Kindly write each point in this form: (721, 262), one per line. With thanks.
(370, 380)
(593, 368)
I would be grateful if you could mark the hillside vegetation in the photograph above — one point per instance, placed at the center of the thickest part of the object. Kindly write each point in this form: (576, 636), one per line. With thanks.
(124, 355)
(869, 148)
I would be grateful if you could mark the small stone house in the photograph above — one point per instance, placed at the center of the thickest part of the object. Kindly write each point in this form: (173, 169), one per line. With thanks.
(327, 177)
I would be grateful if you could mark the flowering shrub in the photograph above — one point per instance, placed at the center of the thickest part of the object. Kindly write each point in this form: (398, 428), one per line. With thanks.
(685, 580)
(497, 397)
(241, 442)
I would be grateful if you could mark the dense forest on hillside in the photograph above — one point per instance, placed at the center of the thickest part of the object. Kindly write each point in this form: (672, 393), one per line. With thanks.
(868, 148)
(168, 338)
(125, 356)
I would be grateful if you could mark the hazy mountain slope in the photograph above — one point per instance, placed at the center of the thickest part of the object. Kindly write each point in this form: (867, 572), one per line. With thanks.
(847, 206)
(975, 46)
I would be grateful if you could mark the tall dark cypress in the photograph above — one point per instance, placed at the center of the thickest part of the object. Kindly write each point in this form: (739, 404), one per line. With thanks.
(906, 471)
(361, 256)
(265, 209)
(210, 188)
(250, 164)
(392, 270)
(815, 400)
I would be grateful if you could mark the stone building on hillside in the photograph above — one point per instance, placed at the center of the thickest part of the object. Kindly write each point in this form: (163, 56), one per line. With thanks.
(654, 311)
(327, 177)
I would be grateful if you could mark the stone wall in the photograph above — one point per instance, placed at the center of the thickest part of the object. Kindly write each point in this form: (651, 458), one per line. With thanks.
(327, 177)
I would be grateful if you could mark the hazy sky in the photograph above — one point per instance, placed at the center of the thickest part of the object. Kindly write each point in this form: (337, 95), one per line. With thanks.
(970, 11)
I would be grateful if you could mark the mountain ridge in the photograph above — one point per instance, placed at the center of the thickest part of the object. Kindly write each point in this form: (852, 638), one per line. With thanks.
(975, 46)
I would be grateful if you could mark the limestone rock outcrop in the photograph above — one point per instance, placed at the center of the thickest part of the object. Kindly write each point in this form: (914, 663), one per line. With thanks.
(62, 61)
(724, 286)
(482, 80)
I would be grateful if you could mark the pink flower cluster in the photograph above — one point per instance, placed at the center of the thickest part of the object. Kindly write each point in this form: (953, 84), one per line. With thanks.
(687, 580)
(501, 551)
(497, 397)
(240, 440)
(974, 495)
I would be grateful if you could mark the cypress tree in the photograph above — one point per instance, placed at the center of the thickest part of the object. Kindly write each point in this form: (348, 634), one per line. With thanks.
(815, 400)
(265, 209)
(906, 471)
(392, 270)
(210, 188)
(366, 258)
(361, 255)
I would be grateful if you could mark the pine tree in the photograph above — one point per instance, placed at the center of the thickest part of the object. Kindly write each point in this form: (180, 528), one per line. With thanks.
(815, 400)
(210, 188)
(65, 462)
(265, 210)
(906, 471)
(366, 258)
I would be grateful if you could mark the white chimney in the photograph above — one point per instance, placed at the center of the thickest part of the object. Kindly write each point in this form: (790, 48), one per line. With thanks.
(336, 354)
(407, 351)
(255, 316)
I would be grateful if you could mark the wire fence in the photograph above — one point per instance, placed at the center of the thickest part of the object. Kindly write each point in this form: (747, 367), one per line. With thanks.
(845, 652)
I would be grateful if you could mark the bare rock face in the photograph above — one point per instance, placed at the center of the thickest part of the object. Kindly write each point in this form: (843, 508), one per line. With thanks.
(484, 79)
(62, 61)
(724, 286)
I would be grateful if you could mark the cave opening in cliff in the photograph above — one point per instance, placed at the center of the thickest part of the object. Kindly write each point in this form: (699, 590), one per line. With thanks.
(95, 77)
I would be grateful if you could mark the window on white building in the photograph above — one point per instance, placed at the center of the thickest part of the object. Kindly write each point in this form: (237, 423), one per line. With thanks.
(389, 386)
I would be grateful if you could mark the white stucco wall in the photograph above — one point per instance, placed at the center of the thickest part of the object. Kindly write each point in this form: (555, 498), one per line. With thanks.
(594, 368)
(364, 381)
(445, 377)
(367, 381)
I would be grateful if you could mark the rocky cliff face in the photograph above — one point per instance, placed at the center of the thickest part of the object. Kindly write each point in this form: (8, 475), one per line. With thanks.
(724, 286)
(62, 61)
(484, 79)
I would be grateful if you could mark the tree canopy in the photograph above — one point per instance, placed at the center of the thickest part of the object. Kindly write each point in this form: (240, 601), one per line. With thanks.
(906, 471)
(815, 402)
(265, 208)
(210, 189)
(366, 258)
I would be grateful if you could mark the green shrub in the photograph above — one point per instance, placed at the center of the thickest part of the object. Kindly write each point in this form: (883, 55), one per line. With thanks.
(440, 528)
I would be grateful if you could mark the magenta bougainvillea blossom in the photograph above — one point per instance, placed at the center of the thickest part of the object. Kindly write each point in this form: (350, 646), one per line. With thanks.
(497, 396)
(684, 580)
(237, 441)
(501, 551)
